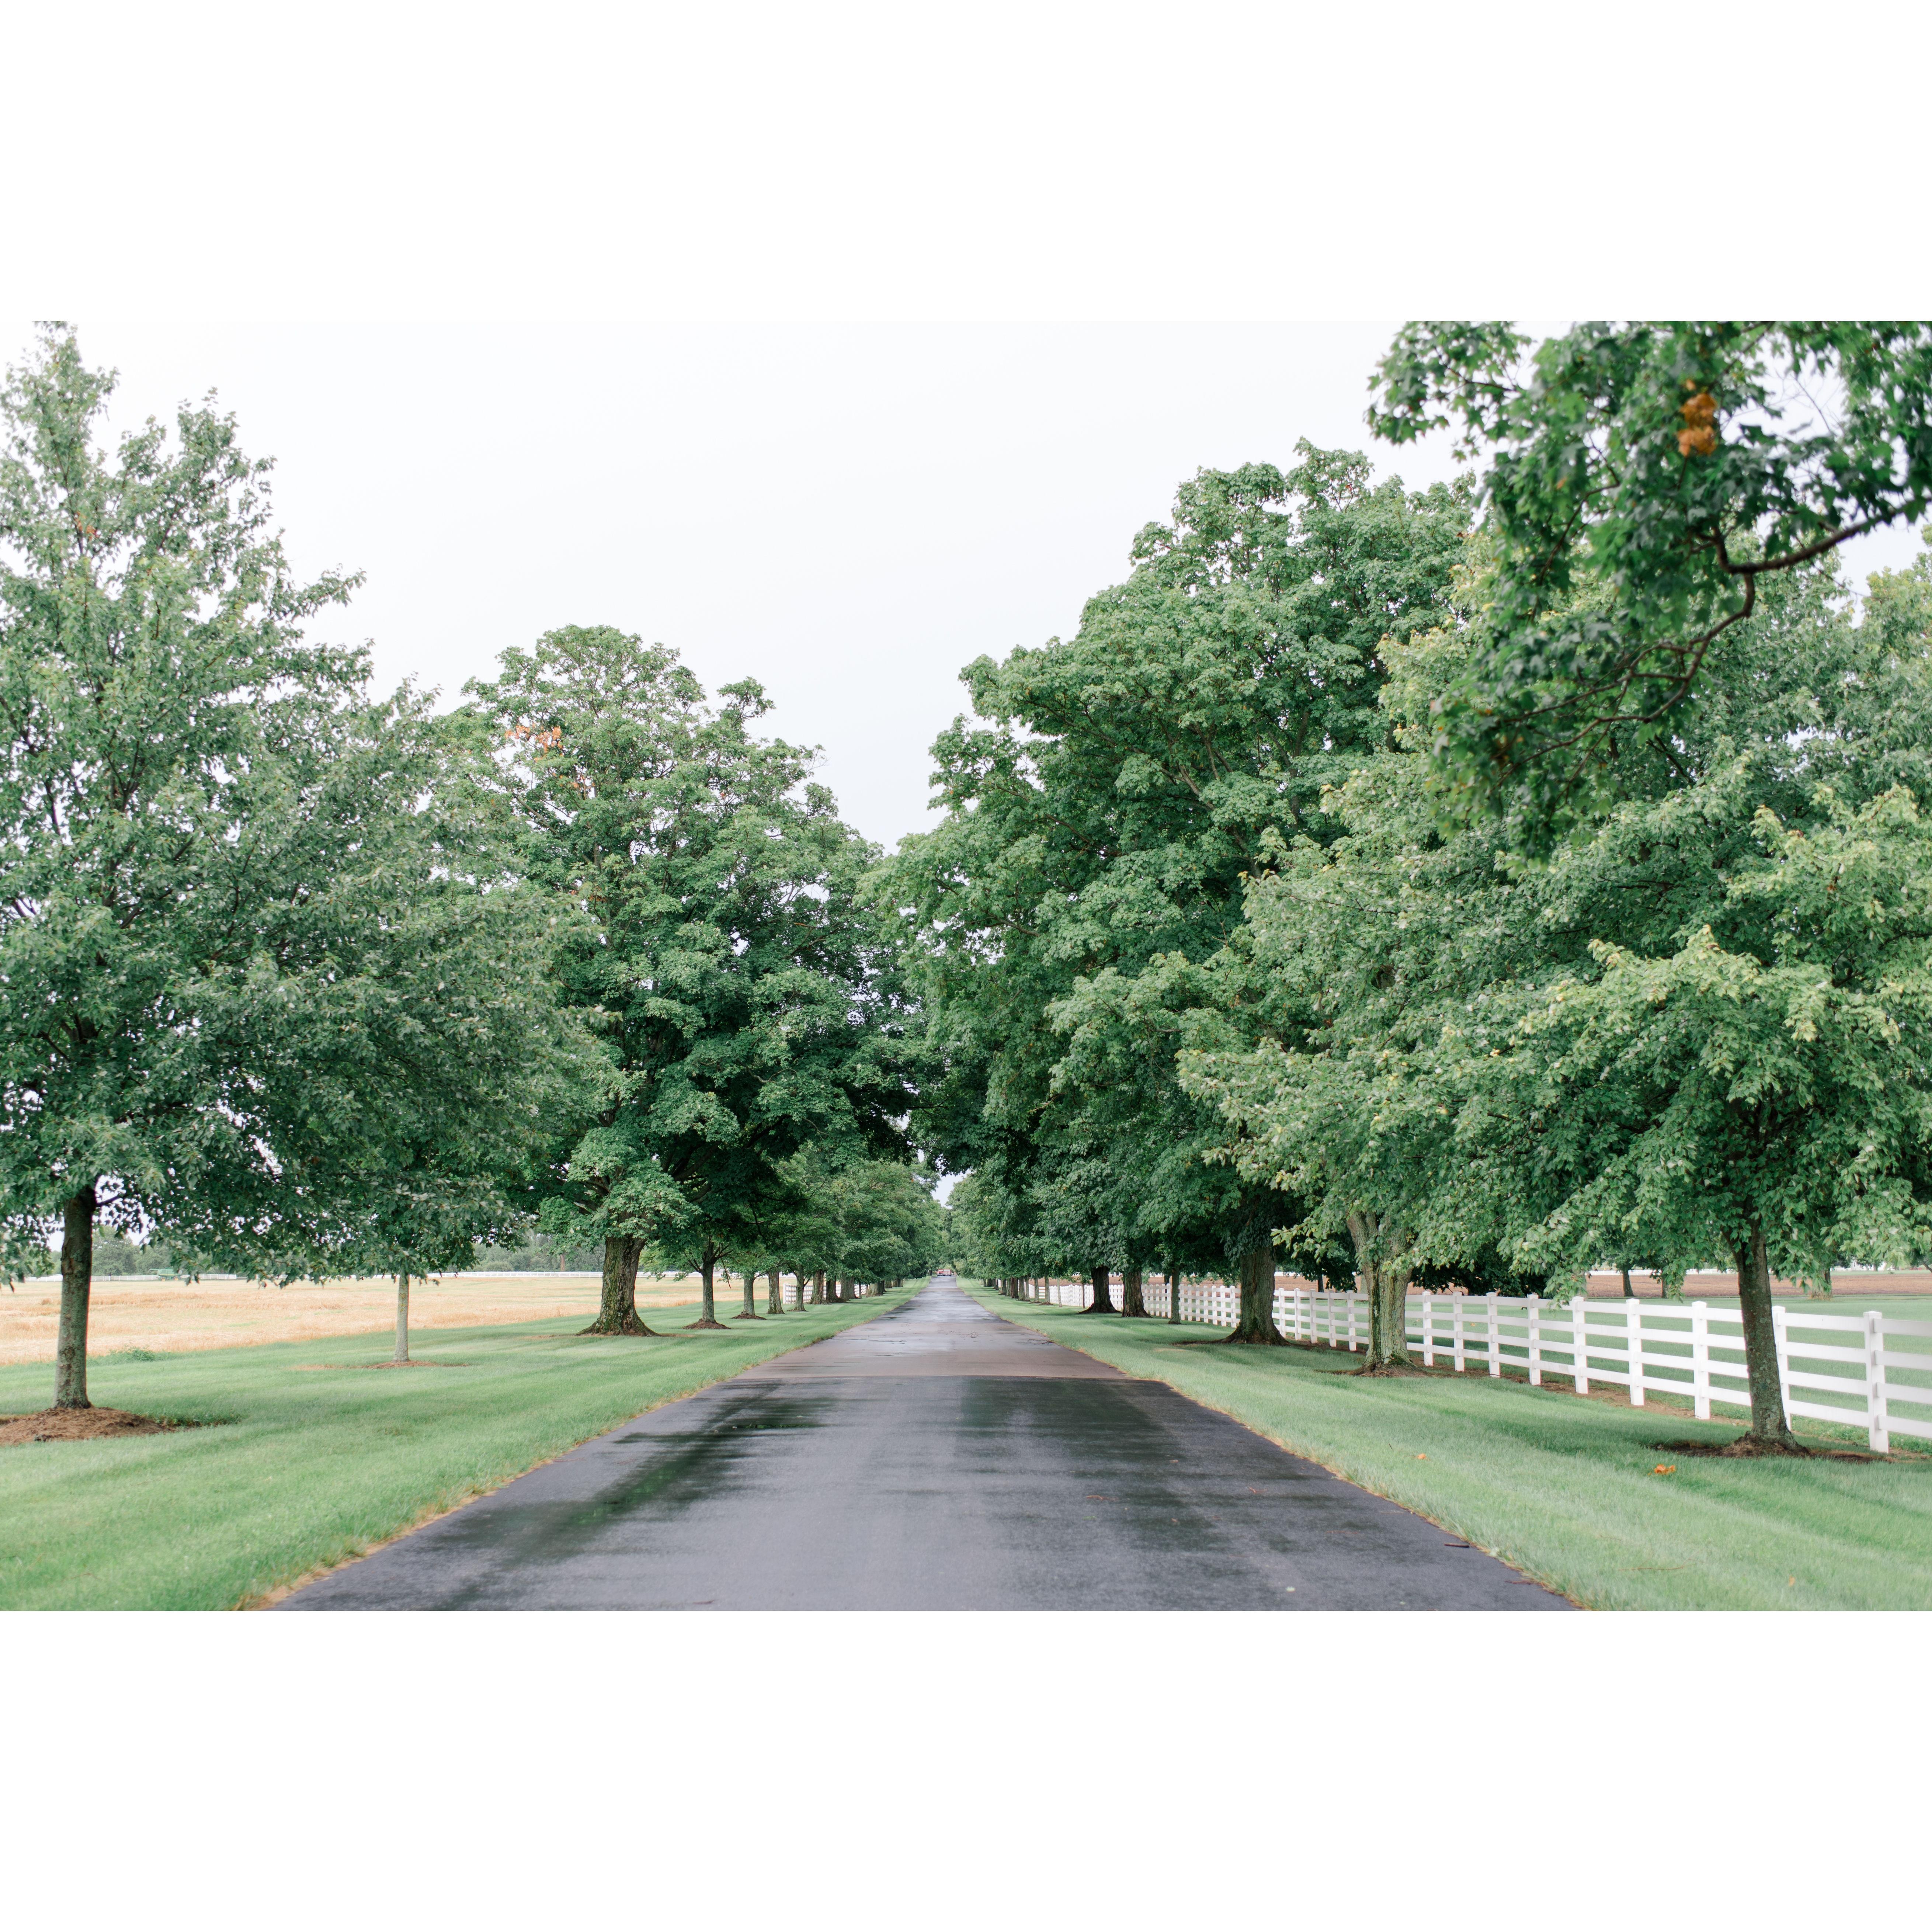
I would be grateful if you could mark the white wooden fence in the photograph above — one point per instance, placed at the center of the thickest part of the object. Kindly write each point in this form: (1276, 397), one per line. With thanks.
(1845, 1369)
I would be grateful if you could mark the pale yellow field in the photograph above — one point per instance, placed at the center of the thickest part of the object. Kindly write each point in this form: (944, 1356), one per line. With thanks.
(136, 1311)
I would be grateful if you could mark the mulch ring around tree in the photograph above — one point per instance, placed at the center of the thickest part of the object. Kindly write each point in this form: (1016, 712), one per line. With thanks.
(82, 1425)
(1742, 1447)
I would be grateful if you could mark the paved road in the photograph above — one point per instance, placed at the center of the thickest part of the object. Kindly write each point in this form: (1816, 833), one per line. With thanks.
(936, 1457)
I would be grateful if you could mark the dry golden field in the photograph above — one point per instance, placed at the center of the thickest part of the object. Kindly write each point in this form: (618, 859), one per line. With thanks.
(137, 1312)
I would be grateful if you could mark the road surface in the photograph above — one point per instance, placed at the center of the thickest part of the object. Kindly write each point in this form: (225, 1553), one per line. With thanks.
(936, 1457)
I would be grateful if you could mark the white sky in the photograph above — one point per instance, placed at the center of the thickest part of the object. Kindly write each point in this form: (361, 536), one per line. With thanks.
(835, 344)
(847, 514)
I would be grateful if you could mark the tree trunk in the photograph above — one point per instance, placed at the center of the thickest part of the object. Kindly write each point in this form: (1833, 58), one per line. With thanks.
(1173, 1291)
(1131, 1302)
(775, 1299)
(818, 1289)
(617, 1310)
(1769, 1425)
(1630, 1293)
(709, 1318)
(402, 1354)
(1257, 1320)
(1103, 1292)
(77, 1284)
(750, 1313)
(1385, 1279)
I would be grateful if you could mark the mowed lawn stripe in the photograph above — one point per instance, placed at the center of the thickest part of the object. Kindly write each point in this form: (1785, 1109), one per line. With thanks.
(1563, 1488)
(309, 1466)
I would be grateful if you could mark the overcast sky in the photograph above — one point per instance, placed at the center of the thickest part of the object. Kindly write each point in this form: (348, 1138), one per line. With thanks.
(836, 343)
(848, 514)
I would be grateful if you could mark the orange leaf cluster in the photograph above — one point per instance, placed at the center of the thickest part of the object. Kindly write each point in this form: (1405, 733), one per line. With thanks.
(1699, 436)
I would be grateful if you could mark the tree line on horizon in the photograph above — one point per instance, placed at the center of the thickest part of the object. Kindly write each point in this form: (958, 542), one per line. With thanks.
(1466, 886)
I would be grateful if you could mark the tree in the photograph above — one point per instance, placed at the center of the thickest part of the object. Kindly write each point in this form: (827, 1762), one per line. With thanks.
(889, 1227)
(1099, 833)
(417, 1073)
(1696, 1030)
(168, 814)
(1645, 481)
(873, 1221)
(745, 999)
(1766, 1087)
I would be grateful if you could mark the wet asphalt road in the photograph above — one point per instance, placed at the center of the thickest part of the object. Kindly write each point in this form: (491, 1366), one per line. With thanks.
(934, 1458)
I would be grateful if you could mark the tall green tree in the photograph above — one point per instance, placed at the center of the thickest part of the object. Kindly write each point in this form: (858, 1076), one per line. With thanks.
(418, 1071)
(1694, 1034)
(746, 998)
(1100, 826)
(168, 814)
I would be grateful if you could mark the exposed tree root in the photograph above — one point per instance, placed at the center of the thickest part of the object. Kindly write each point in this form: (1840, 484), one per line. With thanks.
(743, 1317)
(1251, 1341)
(629, 1325)
(704, 1324)
(1387, 1369)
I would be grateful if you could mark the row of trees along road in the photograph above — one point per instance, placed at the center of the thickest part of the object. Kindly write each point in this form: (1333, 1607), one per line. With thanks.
(1103, 819)
(746, 998)
(1476, 886)
(302, 980)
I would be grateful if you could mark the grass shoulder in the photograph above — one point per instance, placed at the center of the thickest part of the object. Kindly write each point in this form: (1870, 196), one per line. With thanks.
(321, 1453)
(1565, 1489)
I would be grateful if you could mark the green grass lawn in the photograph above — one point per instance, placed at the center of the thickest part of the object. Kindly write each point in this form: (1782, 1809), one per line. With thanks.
(310, 1466)
(1562, 1488)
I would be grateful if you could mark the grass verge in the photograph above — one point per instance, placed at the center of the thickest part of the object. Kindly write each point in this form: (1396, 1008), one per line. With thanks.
(322, 1453)
(1563, 1488)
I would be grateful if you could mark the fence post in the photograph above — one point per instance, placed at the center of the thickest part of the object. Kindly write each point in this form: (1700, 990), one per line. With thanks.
(1533, 1332)
(1353, 1297)
(1456, 1329)
(1579, 1316)
(1428, 1328)
(1784, 1341)
(1876, 1422)
(1496, 1333)
(1633, 1342)
(1700, 1359)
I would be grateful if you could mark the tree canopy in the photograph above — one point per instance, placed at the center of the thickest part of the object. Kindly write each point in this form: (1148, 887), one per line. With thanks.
(1101, 823)
(1643, 481)
(744, 995)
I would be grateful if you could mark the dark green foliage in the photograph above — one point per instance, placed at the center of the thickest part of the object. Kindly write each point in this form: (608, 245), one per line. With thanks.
(1645, 481)
(1101, 824)
(746, 1002)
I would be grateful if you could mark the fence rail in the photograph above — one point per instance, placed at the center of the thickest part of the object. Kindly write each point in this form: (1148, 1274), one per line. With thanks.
(1849, 1370)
